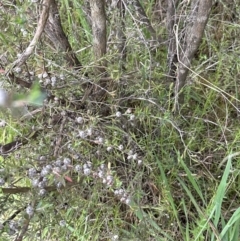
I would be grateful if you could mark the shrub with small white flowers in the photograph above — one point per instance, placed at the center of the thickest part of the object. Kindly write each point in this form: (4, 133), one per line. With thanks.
(78, 151)
(30, 210)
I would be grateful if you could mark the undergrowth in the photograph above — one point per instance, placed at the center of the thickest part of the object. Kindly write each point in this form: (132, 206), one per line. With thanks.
(128, 168)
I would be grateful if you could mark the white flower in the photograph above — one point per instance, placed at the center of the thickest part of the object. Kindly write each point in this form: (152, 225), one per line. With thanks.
(129, 111)
(118, 114)
(44, 172)
(66, 161)
(58, 162)
(49, 167)
(32, 172)
(18, 70)
(59, 185)
(132, 117)
(79, 120)
(78, 168)
(63, 113)
(120, 147)
(24, 33)
(35, 182)
(42, 184)
(100, 140)
(134, 157)
(42, 158)
(47, 81)
(53, 80)
(104, 180)
(29, 210)
(100, 174)
(86, 171)
(89, 131)
(45, 75)
(42, 192)
(130, 157)
(62, 223)
(109, 148)
(82, 134)
(128, 201)
(115, 237)
(109, 179)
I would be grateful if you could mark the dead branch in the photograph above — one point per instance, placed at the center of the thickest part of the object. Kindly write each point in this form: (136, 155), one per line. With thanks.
(19, 81)
(59, 139)
(40, 27)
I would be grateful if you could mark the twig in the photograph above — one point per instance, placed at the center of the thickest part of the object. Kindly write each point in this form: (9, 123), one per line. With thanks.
(15, 145)
(25, 225)
(12, 216)
(59, 140)
(40, 27)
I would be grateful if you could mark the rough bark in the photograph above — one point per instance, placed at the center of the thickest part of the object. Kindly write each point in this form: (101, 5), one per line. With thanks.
(193, 38)
(142, 18)
(56, 35)
(172, 48)
(99, 31)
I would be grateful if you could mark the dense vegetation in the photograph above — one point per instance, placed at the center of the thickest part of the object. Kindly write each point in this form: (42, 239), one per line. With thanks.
(97, 145)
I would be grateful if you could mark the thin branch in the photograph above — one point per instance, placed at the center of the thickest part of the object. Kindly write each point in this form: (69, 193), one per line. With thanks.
(40, 27)
(59, 139)
(12, 216)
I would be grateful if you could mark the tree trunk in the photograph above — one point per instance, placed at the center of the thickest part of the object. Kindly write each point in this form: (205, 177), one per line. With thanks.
(99, 31)
(55, 33)
(194, 34)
